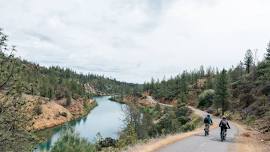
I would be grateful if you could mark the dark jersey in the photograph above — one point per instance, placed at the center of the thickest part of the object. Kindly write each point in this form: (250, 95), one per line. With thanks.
(207, 120)
(224, 124)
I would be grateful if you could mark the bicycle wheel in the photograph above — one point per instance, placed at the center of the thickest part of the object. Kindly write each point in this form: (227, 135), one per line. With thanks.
(222, 135)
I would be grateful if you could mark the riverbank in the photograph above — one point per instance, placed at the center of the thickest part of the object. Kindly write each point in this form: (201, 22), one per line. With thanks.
(47, 113)
(106, 120)
(44, 134)
(52, 118)
(118, 99)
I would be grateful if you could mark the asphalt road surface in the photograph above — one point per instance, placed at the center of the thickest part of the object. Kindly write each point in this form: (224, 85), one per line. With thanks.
(201, 143)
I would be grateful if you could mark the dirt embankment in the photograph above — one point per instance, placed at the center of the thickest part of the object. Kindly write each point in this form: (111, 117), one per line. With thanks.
(249, 140)
(47, 113)
(52, 115)
(80, 107)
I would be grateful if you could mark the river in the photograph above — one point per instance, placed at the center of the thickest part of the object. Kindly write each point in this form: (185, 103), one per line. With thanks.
(106, 119)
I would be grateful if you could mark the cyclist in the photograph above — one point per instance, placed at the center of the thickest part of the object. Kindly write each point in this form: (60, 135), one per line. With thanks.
(224, 125)
(207, 122)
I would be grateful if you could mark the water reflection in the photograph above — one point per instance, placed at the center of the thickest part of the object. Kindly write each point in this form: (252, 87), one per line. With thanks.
(106, 118)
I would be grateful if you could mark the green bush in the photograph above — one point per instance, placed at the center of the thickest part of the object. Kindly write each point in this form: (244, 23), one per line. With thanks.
(228, 115)
(250, 120)
(37, 110)
(206, 98)
(127, 137)
(72, 142)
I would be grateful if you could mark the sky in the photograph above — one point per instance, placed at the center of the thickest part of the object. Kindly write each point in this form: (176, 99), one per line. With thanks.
(134, 40)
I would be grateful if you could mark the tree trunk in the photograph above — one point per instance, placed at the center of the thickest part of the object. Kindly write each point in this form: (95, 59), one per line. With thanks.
(223, 108)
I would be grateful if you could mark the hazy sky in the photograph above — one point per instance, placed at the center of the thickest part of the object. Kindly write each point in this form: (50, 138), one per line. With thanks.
(134, 40)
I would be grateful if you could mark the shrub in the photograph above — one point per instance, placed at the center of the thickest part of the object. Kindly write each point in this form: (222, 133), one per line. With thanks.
(228, 115)
(107, 142)
(206, 98)
(250, 120)
(37, 110)
(246, 100)
(72, 142)
(128, 137)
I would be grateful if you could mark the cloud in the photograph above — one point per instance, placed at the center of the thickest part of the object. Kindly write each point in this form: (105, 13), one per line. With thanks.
(134, 40)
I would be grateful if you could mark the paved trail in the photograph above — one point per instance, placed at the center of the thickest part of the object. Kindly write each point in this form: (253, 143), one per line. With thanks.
(200, 143)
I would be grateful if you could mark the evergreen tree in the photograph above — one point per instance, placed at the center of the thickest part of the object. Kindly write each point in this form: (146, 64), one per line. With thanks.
(202, 73)
(183, 83)
(209, 83)
(7, 63)
(267, 57)
(241, 68)
(68, 98)
(248, 60)
(222, 91)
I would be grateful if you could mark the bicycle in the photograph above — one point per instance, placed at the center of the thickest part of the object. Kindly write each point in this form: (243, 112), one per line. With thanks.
(206, 130)
(223, 134)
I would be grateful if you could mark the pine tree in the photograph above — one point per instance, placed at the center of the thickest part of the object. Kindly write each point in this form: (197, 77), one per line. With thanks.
(183, 83)
(68, 98)
(202, 73)
(267, 57)
(8, 63)
(222, 91)
(248, 60)
(241, 68)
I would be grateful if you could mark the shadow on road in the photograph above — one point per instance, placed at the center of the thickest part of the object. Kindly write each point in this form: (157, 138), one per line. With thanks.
(228, 140)
(217, 138)
(200, 135)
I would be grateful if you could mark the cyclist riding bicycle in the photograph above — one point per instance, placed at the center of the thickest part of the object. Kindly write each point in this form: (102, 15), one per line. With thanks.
(224, 125)
(207, 122)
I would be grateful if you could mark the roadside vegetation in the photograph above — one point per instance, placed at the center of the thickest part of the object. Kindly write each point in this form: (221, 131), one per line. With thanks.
(70, 141)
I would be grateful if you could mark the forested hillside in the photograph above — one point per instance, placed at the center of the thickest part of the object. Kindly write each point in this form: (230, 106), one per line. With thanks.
(53, 82)
(56, 82)
(241, 92)
(34, 97)
(179, 87)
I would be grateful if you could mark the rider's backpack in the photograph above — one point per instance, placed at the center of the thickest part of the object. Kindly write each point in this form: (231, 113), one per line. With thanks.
(224, 123)
(206, 120)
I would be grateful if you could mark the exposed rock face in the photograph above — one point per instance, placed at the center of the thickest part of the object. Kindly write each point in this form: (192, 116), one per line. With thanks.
(90, 89)
(147, 101)
(45, 113)
(52, 115)
(77, 108)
